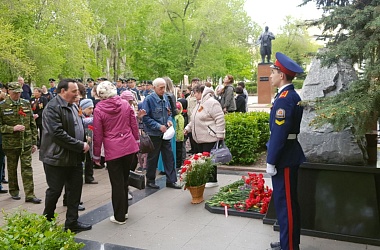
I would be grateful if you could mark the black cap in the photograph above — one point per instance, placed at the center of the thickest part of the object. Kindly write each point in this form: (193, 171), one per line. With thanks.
(131, 79)
(79, 80)
(90, 79)
(51, 80)
(149, 82)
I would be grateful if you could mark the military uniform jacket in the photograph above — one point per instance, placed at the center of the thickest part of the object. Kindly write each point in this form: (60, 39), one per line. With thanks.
(12, 114)
(285, 119)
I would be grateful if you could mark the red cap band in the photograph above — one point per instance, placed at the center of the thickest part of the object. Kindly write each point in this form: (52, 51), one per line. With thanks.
(284, 70)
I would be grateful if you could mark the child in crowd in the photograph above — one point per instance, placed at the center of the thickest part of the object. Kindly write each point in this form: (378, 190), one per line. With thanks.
(240, 100)
(143, 158)
(86, 109)
(180, 125)
(183, 102)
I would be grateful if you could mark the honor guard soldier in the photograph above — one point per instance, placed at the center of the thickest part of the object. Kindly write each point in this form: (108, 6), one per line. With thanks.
(19, 133)
(285, 154)
(53, 88)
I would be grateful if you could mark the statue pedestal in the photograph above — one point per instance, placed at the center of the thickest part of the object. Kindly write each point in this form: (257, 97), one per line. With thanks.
(338, 202)
(264, 87)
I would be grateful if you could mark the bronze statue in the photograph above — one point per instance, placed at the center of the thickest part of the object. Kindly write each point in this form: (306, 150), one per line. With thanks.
(265, 41)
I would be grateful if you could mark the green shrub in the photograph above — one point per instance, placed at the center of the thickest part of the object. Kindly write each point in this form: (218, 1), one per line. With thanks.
(298, 83)
(25, 230)
(252, 89)
(246, 136)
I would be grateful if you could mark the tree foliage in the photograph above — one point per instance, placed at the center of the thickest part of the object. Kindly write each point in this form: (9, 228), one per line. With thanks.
(145, 39)
(294, 41)
(352, 29)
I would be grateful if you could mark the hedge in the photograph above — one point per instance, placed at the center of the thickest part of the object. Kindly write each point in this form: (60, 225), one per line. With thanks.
(246, 136)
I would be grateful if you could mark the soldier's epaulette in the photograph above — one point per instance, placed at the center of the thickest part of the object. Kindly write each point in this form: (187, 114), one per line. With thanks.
(283, 94)
(2, 101)
(24, 100)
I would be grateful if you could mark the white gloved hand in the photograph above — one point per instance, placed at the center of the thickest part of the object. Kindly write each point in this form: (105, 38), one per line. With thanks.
(271, 169)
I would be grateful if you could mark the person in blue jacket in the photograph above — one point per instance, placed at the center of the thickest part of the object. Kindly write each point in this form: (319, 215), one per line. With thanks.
(285, 154)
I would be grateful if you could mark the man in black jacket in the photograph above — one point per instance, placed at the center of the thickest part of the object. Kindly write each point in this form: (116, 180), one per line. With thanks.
(62, 153)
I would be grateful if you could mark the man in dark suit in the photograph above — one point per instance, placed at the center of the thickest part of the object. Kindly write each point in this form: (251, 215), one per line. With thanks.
(285, 154)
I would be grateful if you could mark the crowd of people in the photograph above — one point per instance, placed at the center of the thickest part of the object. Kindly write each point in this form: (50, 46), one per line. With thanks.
(78, 127)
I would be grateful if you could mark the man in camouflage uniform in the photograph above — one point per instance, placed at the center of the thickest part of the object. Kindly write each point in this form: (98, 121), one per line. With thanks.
(19, 132)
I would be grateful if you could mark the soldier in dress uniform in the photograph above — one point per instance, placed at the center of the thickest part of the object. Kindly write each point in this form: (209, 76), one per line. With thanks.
(19, 133)
(53, 89)
(285, 154)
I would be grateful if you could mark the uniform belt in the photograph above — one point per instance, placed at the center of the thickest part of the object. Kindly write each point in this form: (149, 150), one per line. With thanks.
(292, 136)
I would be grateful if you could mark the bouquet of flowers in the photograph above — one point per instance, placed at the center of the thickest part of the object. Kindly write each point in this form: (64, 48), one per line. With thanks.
(248, 194)
(196, 170)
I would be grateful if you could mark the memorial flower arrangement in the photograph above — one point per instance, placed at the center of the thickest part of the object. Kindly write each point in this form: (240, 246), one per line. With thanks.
(196, 170)
(248, 194)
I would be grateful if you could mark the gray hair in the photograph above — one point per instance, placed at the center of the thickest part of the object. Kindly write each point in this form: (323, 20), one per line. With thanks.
(106, 90)
(169, 85)
(158, 81)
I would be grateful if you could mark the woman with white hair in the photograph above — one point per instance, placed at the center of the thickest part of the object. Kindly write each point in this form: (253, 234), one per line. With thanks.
(115, 126)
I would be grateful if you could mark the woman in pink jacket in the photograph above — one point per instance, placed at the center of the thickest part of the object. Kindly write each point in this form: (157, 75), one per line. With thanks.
(115, 126)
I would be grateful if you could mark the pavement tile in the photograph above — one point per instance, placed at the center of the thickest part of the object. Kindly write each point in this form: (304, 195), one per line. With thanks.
(165, 219)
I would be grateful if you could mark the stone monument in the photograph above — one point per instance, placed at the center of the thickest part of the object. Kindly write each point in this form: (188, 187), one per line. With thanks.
(324, 145)
(264, 87)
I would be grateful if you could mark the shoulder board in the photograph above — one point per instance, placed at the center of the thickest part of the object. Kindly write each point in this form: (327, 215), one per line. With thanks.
(284, 94)
(3, 101)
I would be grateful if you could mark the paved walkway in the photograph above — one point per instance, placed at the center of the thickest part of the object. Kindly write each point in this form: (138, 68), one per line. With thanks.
(165, 219)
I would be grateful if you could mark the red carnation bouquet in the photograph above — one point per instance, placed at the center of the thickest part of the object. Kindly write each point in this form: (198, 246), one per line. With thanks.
(196, 170)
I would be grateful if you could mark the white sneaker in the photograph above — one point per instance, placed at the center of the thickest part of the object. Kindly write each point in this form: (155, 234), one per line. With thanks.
(130, 197)
(211, 184)
(112, 219)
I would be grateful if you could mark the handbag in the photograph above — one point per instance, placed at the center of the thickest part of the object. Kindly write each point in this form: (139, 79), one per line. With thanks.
(146, 144)
(136, 180)
(220, 153)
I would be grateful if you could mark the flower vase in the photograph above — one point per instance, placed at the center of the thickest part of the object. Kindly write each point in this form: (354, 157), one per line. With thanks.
(196, 194)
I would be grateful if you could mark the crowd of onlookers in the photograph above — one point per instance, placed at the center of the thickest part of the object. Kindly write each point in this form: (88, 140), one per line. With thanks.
(81, 126)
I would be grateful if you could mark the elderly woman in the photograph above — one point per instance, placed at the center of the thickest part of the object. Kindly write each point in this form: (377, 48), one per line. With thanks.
(115, 126)
(207, 124)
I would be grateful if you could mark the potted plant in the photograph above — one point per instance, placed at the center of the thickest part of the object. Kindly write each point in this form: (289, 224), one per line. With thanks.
(195, 172)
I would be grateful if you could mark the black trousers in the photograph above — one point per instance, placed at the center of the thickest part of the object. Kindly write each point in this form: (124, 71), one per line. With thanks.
(56, 178)
(118, 171)
(88, 168)
(206, 147)
(165, 148)
(193, 144)
(179, 159)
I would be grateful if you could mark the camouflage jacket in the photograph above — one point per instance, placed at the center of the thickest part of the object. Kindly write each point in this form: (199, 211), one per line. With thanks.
(12, 114)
